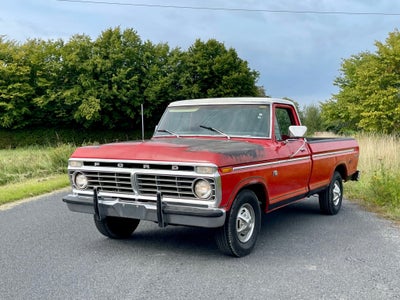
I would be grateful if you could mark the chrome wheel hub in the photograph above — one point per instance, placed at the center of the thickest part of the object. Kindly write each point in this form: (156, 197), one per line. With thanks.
(336, 193)
(245, 223)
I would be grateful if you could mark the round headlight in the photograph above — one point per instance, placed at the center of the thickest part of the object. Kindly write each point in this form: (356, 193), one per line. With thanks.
(80, 181)
(202, 189)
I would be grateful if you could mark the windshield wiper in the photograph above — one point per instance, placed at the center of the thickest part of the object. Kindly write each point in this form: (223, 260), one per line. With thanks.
(167, 131)
(216, 130)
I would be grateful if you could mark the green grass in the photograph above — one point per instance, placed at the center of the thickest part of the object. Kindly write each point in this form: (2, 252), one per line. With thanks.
(32, 171)
(379, 192)
(17, 165)
(32, 187)
(27, 170)
(379, 187)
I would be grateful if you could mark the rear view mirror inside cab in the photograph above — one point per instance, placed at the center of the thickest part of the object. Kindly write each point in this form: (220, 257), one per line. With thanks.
(297, 131)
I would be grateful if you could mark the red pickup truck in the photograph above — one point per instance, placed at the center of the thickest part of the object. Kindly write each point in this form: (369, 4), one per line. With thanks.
(216, 163)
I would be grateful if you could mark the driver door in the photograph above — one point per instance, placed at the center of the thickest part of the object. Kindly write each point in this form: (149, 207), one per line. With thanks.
(289, 176)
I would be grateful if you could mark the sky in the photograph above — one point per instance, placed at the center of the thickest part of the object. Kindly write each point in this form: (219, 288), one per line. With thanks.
(297, 53)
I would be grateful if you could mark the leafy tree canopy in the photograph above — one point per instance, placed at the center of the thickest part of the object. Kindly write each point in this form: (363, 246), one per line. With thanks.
(369, 91)
(102, 83)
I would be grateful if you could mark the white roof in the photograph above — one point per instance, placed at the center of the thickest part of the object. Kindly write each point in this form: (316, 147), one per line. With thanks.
(236, 100)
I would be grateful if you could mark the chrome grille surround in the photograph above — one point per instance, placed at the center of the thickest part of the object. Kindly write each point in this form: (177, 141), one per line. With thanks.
(169, 185)
(113, 182)
(134, 184)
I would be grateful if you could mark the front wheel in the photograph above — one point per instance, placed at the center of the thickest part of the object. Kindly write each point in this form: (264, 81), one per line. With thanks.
(116, 228)
(239, 234)
(330, 200)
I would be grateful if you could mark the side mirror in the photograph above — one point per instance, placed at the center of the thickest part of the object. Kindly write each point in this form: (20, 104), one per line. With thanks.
(297, 131)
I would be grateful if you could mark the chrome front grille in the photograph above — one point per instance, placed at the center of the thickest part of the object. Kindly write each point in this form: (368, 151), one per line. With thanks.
(179, 187)
(110, 181)
(169, 186)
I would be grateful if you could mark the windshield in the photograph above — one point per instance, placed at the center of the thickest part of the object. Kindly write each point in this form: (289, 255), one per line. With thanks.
(217, 120)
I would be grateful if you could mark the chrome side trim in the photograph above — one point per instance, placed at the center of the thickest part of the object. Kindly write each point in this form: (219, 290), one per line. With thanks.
(285, 161)
(334, 153)
(272, 163)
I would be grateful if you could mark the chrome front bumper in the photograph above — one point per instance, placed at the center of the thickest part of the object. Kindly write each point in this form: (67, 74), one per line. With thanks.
(173, 214)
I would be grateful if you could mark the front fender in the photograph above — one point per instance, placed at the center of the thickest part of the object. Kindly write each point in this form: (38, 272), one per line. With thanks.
(256, 184)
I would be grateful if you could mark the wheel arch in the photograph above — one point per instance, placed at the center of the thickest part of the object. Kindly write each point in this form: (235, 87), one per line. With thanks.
(342, 170)
(261, 193)
(257, 186)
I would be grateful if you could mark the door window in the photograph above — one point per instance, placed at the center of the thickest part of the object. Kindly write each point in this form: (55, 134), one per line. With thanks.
(283, 119)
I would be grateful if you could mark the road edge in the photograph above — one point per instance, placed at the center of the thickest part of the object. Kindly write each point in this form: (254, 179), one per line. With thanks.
(13, 204)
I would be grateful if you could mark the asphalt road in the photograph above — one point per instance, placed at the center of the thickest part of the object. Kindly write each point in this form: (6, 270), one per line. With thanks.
(48, 252)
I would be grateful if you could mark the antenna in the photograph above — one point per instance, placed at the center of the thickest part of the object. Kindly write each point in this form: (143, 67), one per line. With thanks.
(141, 112)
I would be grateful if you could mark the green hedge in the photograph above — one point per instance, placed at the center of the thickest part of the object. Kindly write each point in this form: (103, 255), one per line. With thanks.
(10, 139)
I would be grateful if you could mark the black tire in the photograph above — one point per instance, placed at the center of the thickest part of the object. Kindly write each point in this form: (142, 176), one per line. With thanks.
(330, 200)
(116, 228)
(239, 234)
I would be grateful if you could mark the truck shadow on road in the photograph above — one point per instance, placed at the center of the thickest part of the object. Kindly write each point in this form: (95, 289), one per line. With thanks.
(299, 219)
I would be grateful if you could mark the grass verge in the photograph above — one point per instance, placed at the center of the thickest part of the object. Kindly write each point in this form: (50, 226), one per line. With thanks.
(32, 187)
(32, 171)
(21, 164)
(379, 193)
(379, 188)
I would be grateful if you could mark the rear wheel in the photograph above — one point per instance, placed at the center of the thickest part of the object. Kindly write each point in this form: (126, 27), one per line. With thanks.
(239, 234)
(116, 228)
(330, 200)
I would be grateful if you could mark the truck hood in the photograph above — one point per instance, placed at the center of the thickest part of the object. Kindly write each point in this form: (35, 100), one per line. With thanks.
(185, 150)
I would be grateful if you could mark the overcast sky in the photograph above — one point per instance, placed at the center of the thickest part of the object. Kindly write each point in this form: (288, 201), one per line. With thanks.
(297, 53)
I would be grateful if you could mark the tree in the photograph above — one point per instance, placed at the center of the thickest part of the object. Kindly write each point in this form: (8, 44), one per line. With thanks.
(369, 97)
(311, 117)
(44, 60)
(211, 70)
(16, 90)
(73, 81)
(261, 91)
(102, 83)
(113, 92)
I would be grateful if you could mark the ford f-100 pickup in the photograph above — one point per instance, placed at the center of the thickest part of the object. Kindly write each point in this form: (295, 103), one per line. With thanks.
(216, 163)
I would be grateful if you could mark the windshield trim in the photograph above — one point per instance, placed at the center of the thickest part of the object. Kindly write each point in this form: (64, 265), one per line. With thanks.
(216, 136)
(268, 134)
